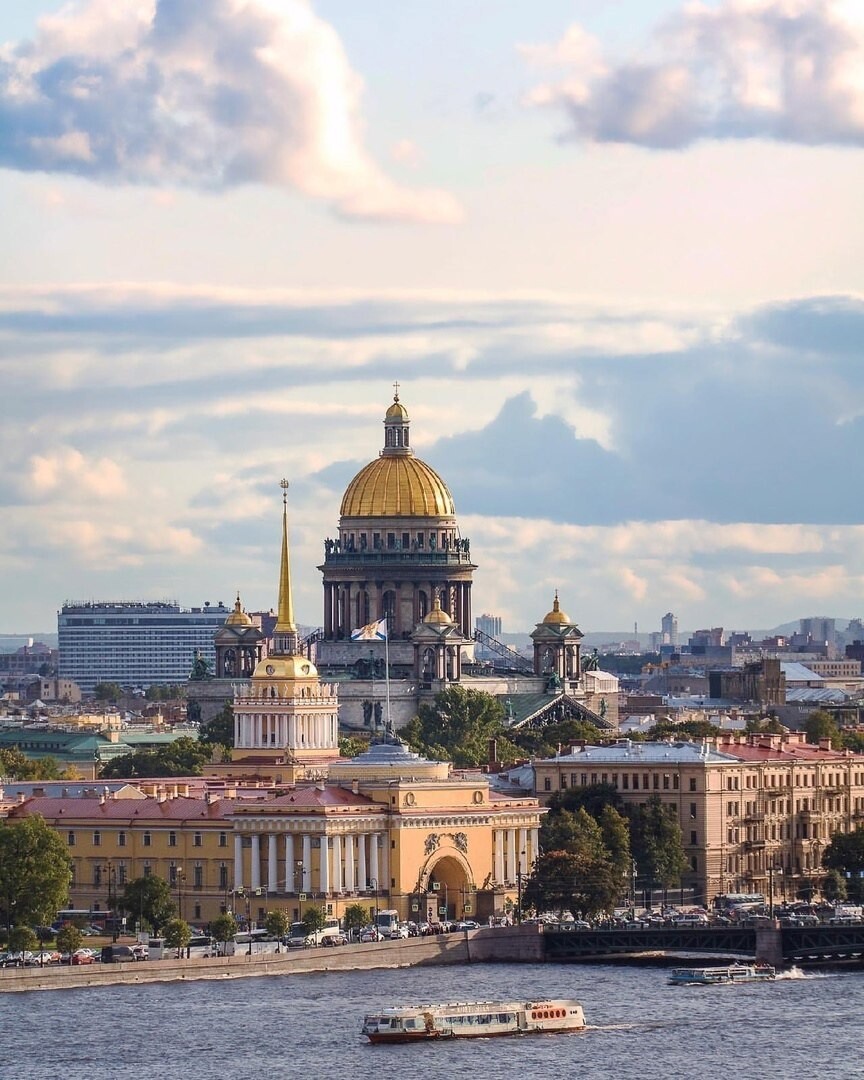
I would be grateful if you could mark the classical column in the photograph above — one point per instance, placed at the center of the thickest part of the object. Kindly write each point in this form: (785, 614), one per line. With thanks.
(272, 864)
(499, 856)
(511, 854)
(362, 875)
(523, 861)
(238, 860)
(535, 845)
(289, 863)
(255, 862)
(325, 865)
(373, 861)
(307, 863)
(337, 864)
(349, 863)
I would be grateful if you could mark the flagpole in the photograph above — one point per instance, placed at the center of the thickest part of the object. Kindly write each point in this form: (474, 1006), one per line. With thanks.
(387, 670)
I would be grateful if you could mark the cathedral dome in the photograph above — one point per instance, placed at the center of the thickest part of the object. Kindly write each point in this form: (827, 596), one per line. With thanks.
(397, 483)
(238, 616)
(438, 616)
(400, 486)
(556, 617)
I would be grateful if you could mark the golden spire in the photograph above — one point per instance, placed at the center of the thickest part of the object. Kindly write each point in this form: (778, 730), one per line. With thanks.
(285, 621)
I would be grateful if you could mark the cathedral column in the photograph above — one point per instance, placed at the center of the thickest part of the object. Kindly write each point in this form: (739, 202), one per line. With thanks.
(499, 856)
(255, 855)
(349, 863)
(324, 874)
(362, 875)
(307, 863)
(289, 863)
(272, 864)
(328, 610)
(337, 864)
(511, 854)
(238, 860)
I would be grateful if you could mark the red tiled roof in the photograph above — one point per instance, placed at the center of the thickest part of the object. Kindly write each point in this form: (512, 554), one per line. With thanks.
(307, 796)
(803, 752)
(131, 810)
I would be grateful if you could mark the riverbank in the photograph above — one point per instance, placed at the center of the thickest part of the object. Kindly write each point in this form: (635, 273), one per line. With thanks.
(512, 944)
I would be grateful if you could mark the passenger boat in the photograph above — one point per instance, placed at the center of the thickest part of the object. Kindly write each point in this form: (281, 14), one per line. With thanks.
(717, 976)
(474, 1019)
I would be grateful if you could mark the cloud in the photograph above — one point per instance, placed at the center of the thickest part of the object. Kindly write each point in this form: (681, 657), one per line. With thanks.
(787, 70)
(210, 94)
(68, 470)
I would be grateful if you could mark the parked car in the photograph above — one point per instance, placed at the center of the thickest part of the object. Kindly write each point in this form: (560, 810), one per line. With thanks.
(370, 934)
(334, 939)
(399, 932)
(83, 956)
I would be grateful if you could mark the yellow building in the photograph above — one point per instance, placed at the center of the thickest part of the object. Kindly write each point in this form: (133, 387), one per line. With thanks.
(755, 811)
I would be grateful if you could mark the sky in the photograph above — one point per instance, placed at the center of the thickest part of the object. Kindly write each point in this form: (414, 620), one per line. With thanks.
(611, 250)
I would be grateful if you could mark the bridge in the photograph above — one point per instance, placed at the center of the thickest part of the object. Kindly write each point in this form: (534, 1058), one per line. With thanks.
(784, 945)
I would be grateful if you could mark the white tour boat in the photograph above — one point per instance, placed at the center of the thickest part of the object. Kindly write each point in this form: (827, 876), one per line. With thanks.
(718, 976)
(475, 1019)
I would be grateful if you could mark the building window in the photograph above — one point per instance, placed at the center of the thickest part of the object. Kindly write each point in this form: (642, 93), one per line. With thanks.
(675, 781)
(97, 839)
(406, 540)
(223, 876)
(70, 838)
(625, 780)
(197, 911)
(635, 781)
(172, 874)
(121, 839)
(693, 840)
(172, 839)
(665, 781)
(121, 874)
(547, 783)
(692, 783)
(656, 781)
(563, 781)
(694, 863)
(223, 839)
(146, 839)
(196, 840)
(692, 809)
(198, 876)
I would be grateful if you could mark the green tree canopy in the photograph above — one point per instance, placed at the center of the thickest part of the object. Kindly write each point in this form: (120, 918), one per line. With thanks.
(314, 919)
(224, 927)
(687, 729)
(69, 939)
(593, 798)
(148, 899)
(183, 757)
(458, 726)
(545, 741)
(357, 916)
(220, 729)
(18, 766)
(822, 725)
(177, 934)
(595, 884)
(35, 872)
(352, 745)
(615, 829)
(845, 855)
(23, 939)
(657, 846)
(276, 923)
(108, 691)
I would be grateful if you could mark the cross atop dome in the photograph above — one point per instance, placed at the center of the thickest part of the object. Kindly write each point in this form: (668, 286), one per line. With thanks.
(396, 389)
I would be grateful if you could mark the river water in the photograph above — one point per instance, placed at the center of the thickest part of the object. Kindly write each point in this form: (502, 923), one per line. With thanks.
(801, 1026)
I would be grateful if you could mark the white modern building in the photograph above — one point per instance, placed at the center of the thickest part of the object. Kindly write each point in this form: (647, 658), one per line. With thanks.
(135, 644)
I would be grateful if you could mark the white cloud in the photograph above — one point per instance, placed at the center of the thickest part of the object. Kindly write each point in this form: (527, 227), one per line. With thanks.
(788, 70)
(208, 94)
(68, 472)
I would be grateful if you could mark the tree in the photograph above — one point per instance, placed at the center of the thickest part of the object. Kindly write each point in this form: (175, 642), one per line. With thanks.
(148, 899)
(687, 729)
(616, 838)
(352, 745)
(356, 917)
(220, 729)
(821, 725)
(545, 741)
(458, 726)
(657, 846)
(834, 886)
(183, 757)
(593, 797)
(35, 872)
(69, 939)
(22, 939)
(314, 920)
(177, 935)
(15, 764)
(594, 883)
(276, 924)
(845, 854)
(108, 691)
(223, 928)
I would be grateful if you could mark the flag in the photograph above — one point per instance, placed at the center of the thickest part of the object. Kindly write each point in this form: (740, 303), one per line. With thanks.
(373, 631)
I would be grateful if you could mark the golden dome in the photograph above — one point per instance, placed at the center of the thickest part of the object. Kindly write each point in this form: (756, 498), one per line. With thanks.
(438, 616)
(285, 667)
(397, 411)
(238, 616)
(556, 617)
(397, 486)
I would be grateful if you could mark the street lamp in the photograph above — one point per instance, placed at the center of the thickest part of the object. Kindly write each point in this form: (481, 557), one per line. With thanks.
(112, 897)
(299, 872)
(373, 885)
(519, 889)
(180, 877)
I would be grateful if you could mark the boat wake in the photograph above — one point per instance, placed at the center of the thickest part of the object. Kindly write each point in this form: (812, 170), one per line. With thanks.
(797, 973)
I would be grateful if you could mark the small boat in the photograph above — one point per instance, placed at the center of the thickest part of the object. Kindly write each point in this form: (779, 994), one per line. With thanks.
(473, 1019)
(718, 976)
